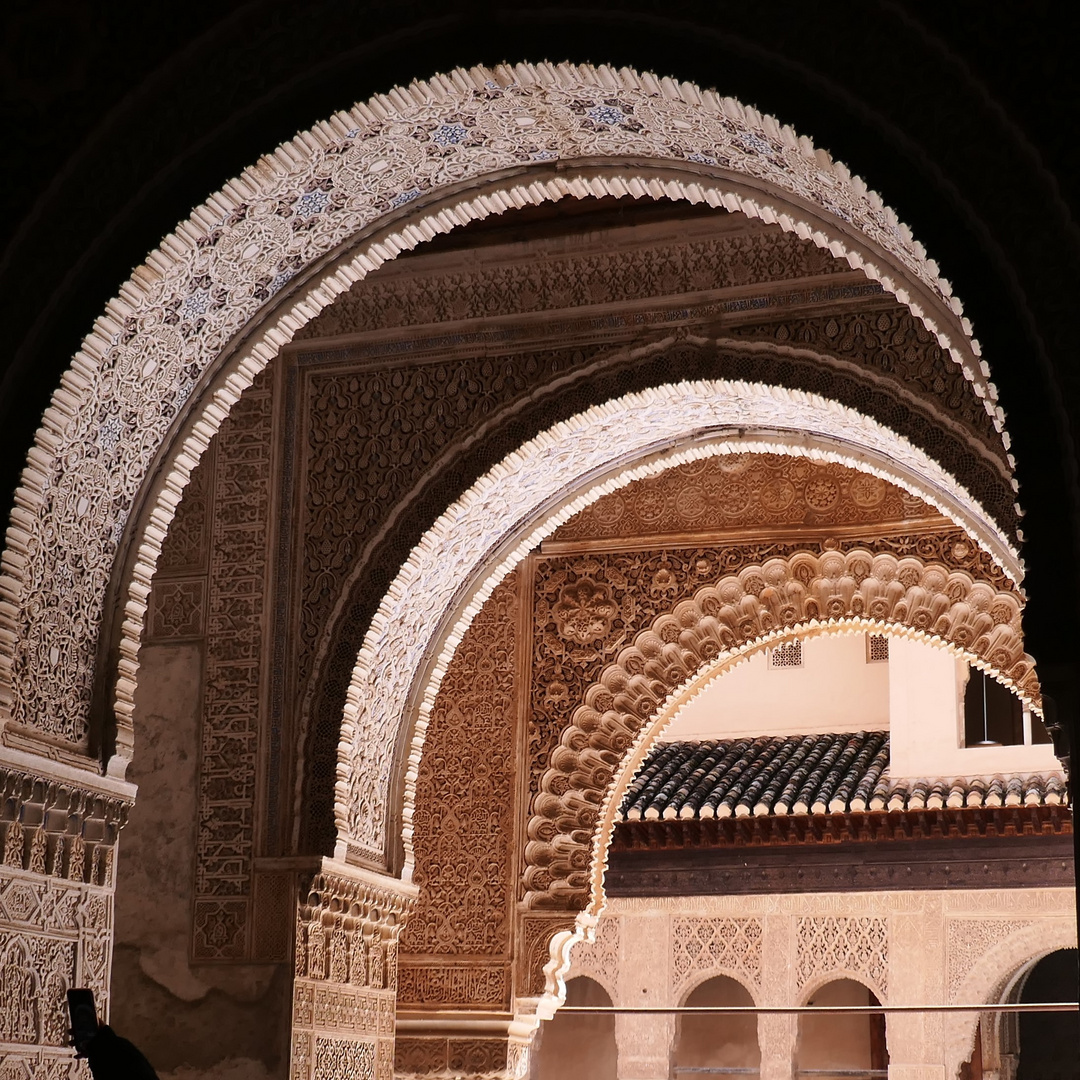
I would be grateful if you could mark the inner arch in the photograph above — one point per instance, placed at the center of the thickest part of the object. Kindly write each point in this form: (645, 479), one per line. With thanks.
(523, 499)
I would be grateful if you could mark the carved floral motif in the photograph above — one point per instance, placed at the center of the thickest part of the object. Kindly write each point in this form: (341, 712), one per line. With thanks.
(584, 611)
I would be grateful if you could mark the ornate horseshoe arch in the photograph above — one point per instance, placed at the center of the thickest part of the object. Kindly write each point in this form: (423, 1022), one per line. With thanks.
(700, 639)
(997, 964)
(220, 297)
(523, 499)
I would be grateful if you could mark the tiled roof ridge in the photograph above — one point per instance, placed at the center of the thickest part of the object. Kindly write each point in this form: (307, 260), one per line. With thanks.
(835, 772)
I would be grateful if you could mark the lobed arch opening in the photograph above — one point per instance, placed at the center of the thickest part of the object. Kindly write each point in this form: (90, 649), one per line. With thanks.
(770, 173)
(701, 978)
(709, 1041)
(602, 806)
(996, 978)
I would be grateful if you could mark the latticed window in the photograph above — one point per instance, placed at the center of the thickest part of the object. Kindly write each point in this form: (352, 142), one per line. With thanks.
(877, 648)
(788, 655)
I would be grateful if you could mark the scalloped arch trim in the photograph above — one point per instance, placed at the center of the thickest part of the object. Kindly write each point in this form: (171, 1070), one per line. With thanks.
(832, 592)
(395, 171)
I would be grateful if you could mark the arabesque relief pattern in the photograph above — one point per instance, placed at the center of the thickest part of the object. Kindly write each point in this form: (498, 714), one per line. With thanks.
(892, 345)
(701, 944)
(345, 979)
(641, 669)
(233, 680)
(750, 253)
(56, 916)
(148, 352)
(464, 823)
(741, 491)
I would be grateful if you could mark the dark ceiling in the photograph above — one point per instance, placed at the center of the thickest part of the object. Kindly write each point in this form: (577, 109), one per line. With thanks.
(120, 117)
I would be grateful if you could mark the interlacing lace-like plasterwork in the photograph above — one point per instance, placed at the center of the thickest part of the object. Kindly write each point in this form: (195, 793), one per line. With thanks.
(830, 944)
(701, 944)
(149, 351)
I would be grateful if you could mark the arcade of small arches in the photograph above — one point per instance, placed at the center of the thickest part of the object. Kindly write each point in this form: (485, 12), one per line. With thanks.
(389, 517)
(700, 955)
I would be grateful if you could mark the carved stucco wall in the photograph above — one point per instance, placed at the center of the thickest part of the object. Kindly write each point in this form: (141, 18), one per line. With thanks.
(456, 948)
(211, 593)
(150, 350)
(929, 947)
(202, 936)
(56, 915)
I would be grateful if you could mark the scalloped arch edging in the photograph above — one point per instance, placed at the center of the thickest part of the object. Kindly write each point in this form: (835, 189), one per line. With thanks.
(383, 166)
(573, 814)
(542, 480)
(593, 820)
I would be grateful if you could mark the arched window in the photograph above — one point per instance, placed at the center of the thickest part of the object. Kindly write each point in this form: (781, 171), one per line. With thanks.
(1049, 1042)
(577, 1046)
(717, 1044)
(850, 1045)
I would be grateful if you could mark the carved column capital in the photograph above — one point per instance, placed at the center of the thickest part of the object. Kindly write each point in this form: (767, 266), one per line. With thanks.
(58, 827)
(345, 984)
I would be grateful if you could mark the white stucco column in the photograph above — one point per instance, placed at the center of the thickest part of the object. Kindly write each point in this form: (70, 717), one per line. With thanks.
(645, 1044)
(776, 1037)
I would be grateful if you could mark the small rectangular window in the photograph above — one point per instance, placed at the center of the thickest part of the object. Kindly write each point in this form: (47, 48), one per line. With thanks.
(788, 655)
(877, 648)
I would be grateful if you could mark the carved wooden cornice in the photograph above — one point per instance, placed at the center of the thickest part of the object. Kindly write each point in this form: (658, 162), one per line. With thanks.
(866, 827)
(1025, 847)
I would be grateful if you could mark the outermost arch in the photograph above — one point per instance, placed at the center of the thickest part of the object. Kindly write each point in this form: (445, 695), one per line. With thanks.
(123, 408)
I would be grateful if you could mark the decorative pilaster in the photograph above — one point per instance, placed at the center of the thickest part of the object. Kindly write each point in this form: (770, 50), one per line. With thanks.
(345, 985)
(56, 906)
(645, 1042)
(777, 1038)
